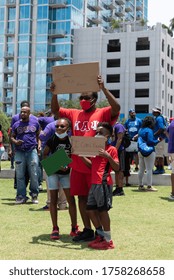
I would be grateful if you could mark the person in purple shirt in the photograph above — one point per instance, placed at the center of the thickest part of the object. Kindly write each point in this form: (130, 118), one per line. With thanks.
(170, 135)
(119, 131)
(25, 134)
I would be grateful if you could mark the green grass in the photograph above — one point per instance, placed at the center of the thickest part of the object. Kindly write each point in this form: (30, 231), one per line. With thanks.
(141, 225)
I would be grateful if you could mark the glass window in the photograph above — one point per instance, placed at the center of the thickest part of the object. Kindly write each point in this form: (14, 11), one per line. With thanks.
(11, 13)
(41, 50)
(23, 49)
(42, 27)
(22, 80)
(1, 13)
(24, 12)
(42, 12)
(41, 65)
(1, 29)
(24, 27)
(23, 65)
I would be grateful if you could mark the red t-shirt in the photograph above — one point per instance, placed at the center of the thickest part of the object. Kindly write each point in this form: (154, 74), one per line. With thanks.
(100, 170)
(85, 124)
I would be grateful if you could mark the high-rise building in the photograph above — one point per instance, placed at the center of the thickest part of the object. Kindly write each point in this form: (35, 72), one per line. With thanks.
(38, 34)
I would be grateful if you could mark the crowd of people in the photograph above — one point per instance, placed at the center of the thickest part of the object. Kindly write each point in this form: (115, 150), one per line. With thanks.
(33, 138)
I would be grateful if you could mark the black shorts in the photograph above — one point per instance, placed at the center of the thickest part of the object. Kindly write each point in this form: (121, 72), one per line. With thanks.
(100, 197)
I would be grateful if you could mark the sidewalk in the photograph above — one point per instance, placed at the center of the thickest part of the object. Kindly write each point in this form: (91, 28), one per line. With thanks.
(158, 180)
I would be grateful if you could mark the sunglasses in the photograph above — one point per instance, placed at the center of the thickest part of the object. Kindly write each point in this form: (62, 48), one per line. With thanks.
(61, 126)
(85, 97)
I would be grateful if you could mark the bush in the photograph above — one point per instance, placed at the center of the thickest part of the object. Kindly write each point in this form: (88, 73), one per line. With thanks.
(5, 123)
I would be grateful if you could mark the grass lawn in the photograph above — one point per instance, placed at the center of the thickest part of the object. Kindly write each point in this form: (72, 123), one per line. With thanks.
(142, 228)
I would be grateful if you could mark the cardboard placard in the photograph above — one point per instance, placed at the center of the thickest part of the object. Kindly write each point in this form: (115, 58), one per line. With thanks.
(87, 146)
(55, 161)
(76, 78)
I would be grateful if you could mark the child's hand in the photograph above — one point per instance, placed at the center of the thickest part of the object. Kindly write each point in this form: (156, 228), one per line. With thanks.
(103, 153)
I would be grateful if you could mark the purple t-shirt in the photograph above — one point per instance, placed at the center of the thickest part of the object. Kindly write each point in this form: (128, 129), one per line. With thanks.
(47, 133)
(118, 128)
(43, 121)
(170, 130)
(17, 117)
(27, 132)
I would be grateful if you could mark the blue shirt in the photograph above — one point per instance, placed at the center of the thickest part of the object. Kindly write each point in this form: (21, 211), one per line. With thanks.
(133, 126)
(147, 135)
(160, 124)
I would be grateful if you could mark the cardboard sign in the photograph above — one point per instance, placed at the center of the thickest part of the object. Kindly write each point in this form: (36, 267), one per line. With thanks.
(55, 161)
(76, 78)
(87, 146)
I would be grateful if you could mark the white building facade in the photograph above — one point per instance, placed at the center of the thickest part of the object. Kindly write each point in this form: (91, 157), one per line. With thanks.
(137, 66)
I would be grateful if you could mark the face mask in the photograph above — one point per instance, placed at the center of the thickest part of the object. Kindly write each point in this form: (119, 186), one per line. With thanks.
(85, 104)
(61, 136)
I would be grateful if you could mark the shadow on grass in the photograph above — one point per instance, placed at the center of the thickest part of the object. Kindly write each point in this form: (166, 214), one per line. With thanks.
(166, 198)
(65, 242)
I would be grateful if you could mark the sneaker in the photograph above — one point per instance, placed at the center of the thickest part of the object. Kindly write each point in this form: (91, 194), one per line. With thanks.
(104, 245)
(86, 235)
(171, 197)
(118, 192)
(40, 188)
(151, 189)
(55, 234)
(34, 199)
(169, 167)
(136, 169)
(45, 208)
(21, 200)
(141, 188)
(75, 231)
(95, 241)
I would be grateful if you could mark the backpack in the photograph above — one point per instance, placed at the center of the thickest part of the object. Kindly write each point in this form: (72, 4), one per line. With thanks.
(126, 141)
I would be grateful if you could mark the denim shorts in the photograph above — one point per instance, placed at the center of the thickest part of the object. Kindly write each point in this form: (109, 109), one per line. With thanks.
(56, 181)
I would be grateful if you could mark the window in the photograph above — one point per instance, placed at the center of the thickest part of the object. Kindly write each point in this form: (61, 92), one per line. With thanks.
(168, 67)
(115, 93)
(171, 70)
(171, 53)
(114, 46)
(142, 77)
(113, 78)
(142, 108)
(162, 63)
(163, 45)
(171, 99)
(168, 51)
(171, 85)
(143, 44)
(143, 92)
(113, 63)
(142, 61)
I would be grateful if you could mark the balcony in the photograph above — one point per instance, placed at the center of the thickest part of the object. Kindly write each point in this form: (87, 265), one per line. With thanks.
(8, 55)
(8, 100)
(7, 70)
(56, 56)
(120, 2)
(94, 6)
(96, 20)
(128, 8)
(10, 32)
(54, 33)
(8, 85)
(139, 6)
(109, 5)
(58, 3)
(119, 12)
(11, 3)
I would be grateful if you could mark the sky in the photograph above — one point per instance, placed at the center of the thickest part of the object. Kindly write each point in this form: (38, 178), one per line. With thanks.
(160, 11)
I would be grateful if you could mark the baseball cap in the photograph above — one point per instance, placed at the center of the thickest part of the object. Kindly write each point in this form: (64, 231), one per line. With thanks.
(157, 110)
(131, 111)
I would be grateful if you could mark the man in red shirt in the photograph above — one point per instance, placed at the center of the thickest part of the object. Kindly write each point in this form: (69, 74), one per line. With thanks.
(84, 123)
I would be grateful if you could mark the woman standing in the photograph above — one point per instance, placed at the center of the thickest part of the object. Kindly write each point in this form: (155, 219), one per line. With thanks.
(146, 162)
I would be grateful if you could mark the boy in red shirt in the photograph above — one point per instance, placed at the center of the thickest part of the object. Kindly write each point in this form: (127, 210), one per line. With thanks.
(100, 195)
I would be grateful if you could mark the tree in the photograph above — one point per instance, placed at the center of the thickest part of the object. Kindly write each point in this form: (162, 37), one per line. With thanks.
(171, 26)
(5, 123)
(168, 30)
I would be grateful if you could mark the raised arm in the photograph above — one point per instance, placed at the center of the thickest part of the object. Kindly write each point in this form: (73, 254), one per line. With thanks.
(115, 106)
(54, 102)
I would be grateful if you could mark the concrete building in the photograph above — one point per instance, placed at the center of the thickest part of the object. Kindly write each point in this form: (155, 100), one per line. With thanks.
(137, 66)
(38, 34)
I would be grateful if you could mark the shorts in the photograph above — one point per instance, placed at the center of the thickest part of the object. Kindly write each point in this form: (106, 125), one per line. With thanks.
(166, 154)
(80, 183)
(121, 156)
(100, 198)
(56, 181)
(159, 149)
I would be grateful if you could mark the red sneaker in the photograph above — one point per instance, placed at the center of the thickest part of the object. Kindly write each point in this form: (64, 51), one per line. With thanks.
(75, 231)
(104, 245)
(55, 234)
(95, 241)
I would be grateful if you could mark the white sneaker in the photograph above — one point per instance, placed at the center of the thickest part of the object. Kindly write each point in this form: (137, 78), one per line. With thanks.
(171, 197)
(169, 167)
(35, 200)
